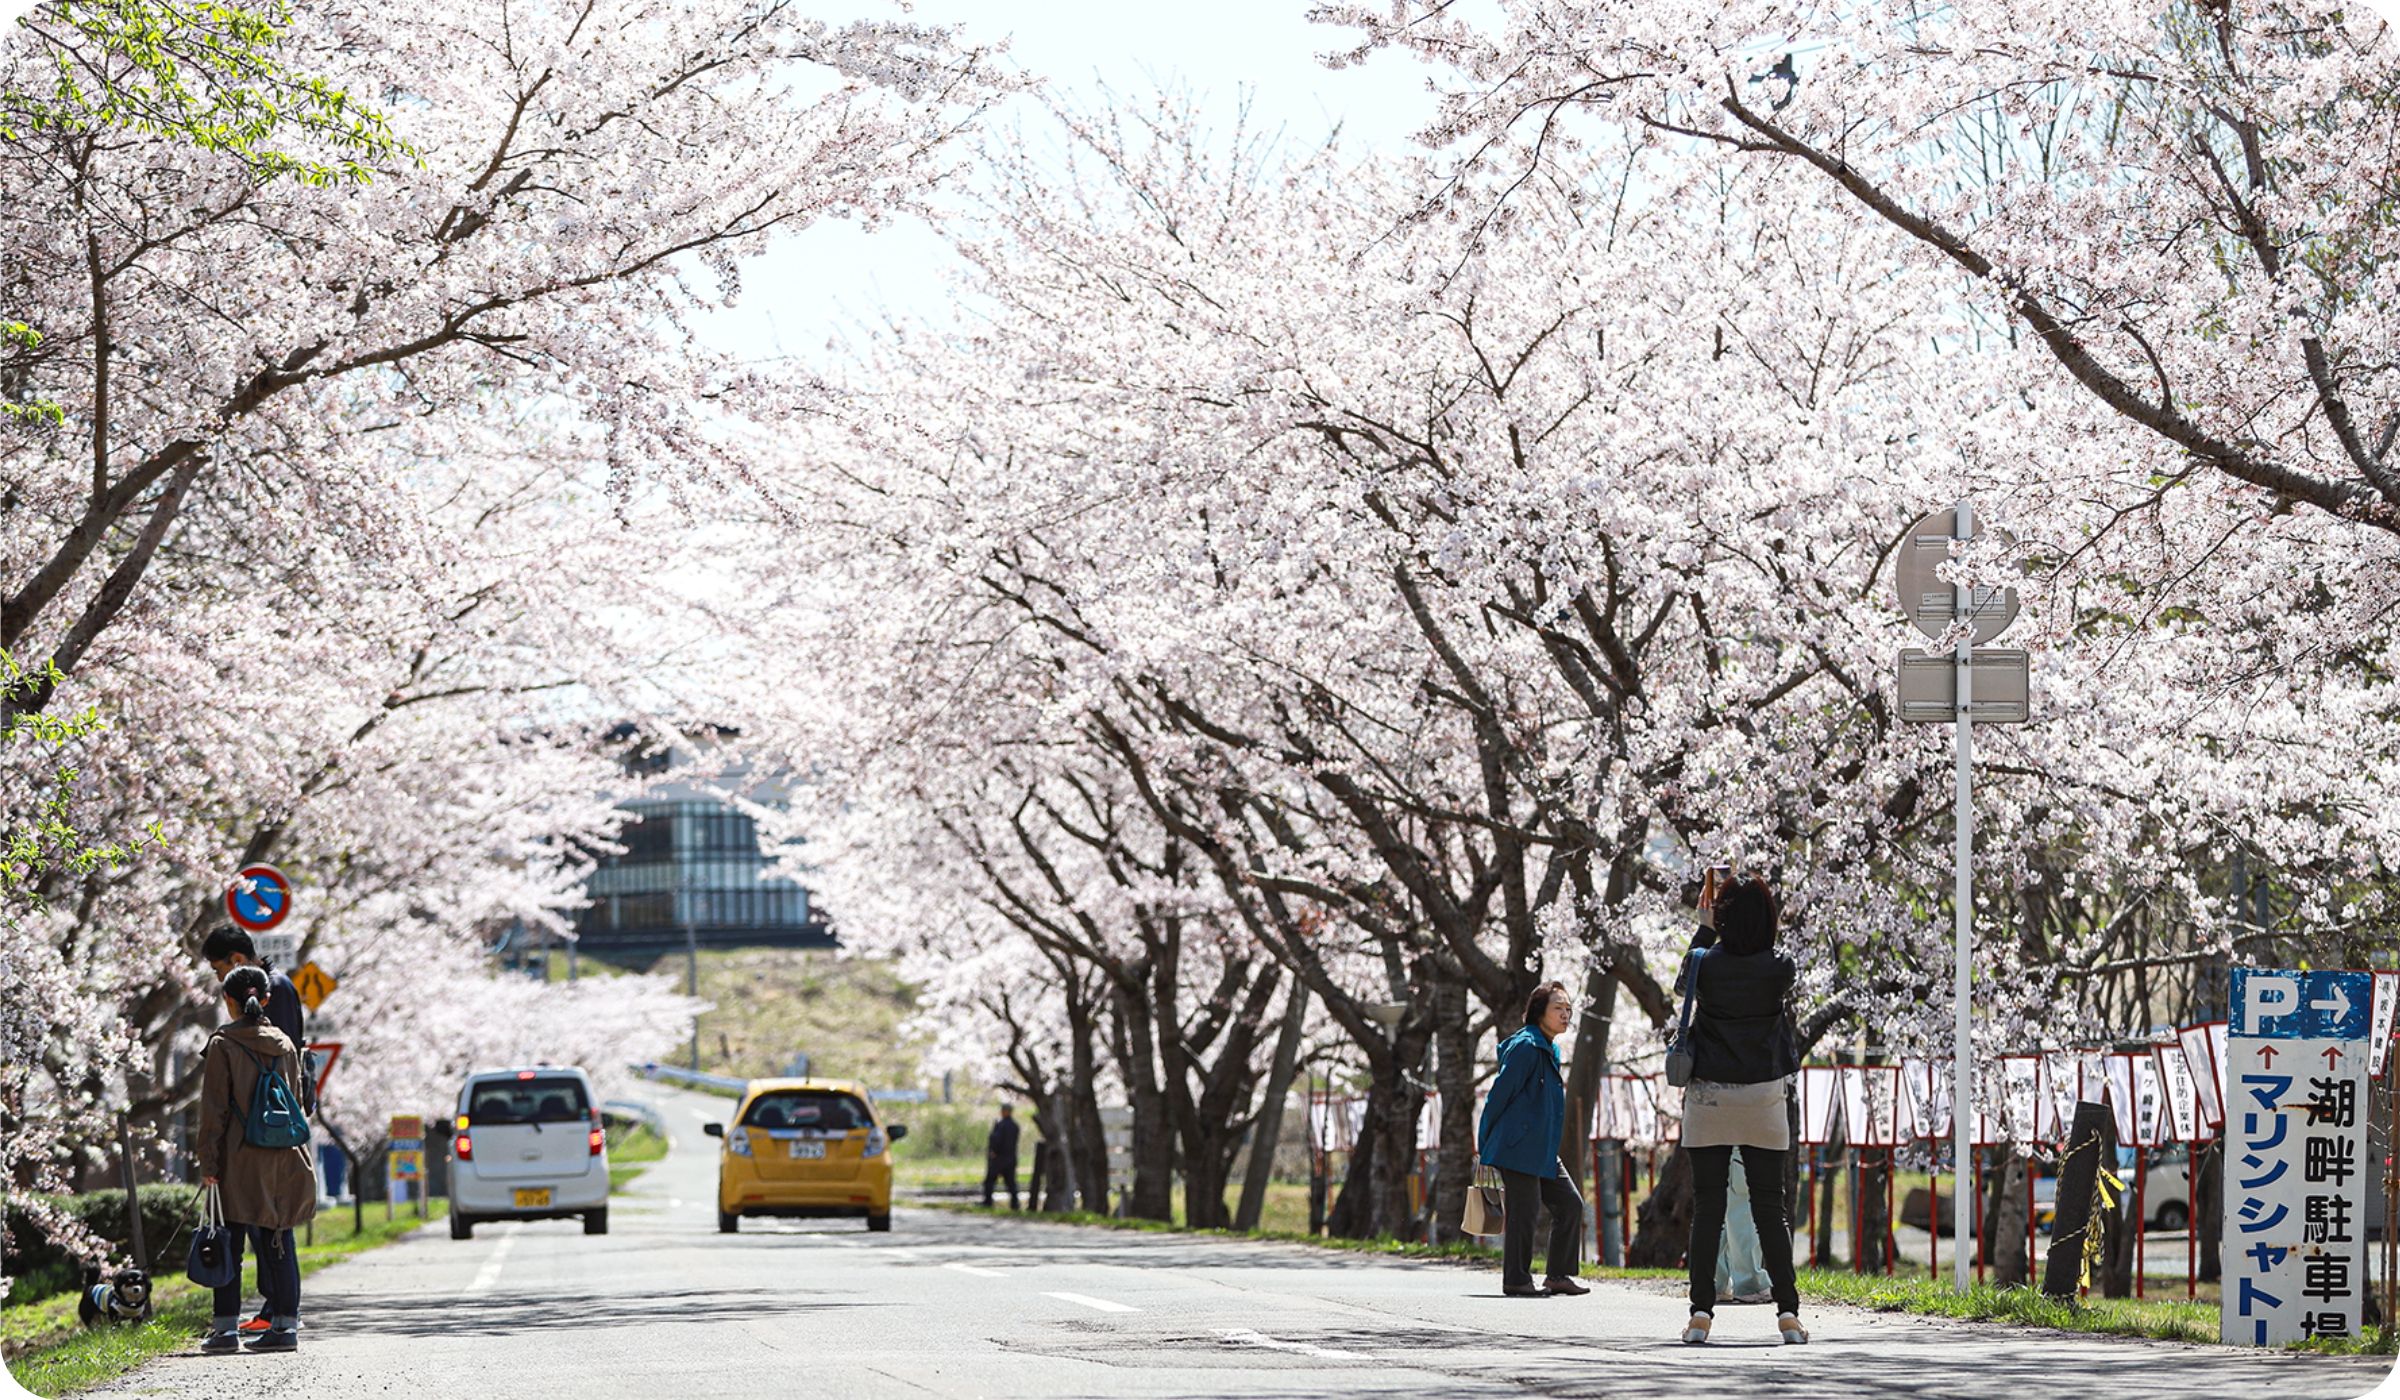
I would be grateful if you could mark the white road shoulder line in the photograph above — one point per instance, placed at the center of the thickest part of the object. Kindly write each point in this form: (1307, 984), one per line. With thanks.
(1100, 1303)
(1244, 1337)
(489, 1274)
(979, 1273)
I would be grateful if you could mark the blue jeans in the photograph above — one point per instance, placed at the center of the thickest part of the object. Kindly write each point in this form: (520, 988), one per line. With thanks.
(278, 1278)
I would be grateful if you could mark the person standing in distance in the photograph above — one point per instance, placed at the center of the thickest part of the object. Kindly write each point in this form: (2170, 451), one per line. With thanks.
(1745, 1051)
(1000, 1156)
(1522, 1123)
(227, 948)
(267, 1191)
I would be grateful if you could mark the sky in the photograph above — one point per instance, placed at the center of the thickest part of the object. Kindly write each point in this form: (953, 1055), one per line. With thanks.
(823, 282)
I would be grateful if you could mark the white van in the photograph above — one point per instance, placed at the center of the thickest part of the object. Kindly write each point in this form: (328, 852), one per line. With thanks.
(528, 1146)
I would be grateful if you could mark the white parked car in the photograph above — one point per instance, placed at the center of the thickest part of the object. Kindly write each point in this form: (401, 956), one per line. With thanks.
(528, 1146)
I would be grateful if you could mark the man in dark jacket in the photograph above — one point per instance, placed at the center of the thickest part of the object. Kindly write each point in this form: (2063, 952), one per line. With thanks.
(1000, 1156)
(228, 948)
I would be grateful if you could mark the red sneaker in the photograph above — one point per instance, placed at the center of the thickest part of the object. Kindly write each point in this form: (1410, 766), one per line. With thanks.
(255, 1326)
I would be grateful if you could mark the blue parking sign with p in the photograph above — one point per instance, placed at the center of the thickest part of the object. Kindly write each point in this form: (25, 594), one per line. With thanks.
(2288, 1004)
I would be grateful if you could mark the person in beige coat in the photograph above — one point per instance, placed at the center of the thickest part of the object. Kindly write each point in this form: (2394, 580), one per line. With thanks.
(266, 1191)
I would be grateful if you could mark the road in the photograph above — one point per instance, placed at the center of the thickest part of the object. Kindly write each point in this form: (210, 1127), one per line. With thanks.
(957, 1305)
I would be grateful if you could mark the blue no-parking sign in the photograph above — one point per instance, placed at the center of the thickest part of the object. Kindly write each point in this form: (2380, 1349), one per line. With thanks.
(265, 903)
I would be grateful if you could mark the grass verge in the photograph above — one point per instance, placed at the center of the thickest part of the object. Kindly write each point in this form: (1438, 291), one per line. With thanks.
(631, 1150)
(50, 1354)
(2158, 1319)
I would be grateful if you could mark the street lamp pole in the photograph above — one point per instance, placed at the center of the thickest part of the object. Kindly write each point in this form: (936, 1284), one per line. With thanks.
(1962, 1101)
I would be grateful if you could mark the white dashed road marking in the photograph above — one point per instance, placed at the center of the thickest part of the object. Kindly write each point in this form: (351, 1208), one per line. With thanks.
(489, 1274)
(1100, 1303)
(979, 1273)
(1244, 1337)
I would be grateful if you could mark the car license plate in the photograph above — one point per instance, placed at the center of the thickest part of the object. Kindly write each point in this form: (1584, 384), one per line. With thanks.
(535, 1199)
(808, 1151)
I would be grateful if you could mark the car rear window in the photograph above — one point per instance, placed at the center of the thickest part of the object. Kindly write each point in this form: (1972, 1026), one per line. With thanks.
(542, 1099)
(823, 1109)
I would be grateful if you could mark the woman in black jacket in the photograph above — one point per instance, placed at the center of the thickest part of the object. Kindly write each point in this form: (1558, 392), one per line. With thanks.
(1744, 1054)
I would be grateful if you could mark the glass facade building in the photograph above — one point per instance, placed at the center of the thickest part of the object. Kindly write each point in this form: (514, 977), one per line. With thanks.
(691, 863)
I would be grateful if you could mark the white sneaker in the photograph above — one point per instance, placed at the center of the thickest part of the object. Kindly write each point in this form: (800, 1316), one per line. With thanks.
(1793, 1333)
(1696, 1331)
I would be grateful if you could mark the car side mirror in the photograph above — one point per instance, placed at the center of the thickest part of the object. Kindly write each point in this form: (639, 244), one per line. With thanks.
(713, 1129)
(899, 1131)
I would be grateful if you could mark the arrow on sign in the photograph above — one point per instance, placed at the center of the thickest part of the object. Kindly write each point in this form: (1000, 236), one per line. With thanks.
(2333, 1058)
(2338, 1003)
(2266, 1056)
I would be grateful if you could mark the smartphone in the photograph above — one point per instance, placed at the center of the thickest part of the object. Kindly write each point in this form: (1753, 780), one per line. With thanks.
(1720, 875)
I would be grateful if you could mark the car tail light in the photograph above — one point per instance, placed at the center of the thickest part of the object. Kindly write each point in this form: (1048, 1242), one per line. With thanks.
(876, 1142)
(465, 1146)
(599, 1140)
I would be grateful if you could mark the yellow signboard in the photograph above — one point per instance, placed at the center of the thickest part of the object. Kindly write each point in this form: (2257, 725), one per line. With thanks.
(314, 984)
(407, 1166)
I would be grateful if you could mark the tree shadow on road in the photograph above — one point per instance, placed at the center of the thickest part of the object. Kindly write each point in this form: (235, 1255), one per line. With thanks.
(416, 1315)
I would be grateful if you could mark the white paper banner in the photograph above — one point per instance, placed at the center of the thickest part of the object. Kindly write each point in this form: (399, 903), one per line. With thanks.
(2201, 1062)
(2379, 1035)
(1820, 1101)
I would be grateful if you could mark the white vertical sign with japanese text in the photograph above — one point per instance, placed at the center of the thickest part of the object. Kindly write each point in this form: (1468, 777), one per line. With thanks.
(2296, 1163)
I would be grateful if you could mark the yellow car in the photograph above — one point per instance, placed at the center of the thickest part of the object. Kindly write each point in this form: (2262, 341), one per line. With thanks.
(806, 1147)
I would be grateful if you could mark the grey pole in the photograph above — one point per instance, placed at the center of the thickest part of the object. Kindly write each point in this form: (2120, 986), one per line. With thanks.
(691, 972)
(1962, 1100)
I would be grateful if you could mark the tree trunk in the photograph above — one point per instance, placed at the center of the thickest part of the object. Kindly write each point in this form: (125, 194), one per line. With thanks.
(2006, 1227)
(1869, 1210)
(1152, 1195)
(1266, 1127)
(1454, 1077)
(1353, 1213)
(1663, 1220)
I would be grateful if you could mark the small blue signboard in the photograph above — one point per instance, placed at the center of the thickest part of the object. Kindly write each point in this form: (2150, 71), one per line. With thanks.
(264, 903)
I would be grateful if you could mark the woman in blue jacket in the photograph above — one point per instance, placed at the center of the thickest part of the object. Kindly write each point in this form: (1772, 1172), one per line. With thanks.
(1522, 1123)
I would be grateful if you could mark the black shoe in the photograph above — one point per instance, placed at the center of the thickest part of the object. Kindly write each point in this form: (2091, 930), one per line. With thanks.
(275, 1339)
(220, 1344)
(1567, 1286)
(1524, 1290)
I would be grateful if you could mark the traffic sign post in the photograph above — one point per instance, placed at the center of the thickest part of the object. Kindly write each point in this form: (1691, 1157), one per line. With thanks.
(314, 984)
(2296, 1159)
(405, 1161)
(1934, 689)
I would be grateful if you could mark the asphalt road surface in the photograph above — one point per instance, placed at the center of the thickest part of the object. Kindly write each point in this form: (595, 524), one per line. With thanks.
(950, 1305)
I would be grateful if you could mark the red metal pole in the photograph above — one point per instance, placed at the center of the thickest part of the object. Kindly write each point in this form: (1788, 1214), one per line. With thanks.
(1933, 1221)
(1891, 1229)
(1812, 1203)
(2141, 1219)
(2191, 1223)
(1599, 1217)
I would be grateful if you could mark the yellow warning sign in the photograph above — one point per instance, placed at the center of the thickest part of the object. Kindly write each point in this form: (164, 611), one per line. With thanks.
(313, 983)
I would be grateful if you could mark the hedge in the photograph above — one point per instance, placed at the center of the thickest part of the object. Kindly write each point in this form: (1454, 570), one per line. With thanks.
(38, 1268)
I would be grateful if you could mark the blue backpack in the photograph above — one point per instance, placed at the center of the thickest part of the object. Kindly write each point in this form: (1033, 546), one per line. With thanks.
(275, 1118)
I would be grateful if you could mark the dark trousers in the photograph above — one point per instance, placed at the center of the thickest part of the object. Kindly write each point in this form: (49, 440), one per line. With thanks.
(278, 1275)
(1521, 1196)
(996, 1170)
(1712, 1174)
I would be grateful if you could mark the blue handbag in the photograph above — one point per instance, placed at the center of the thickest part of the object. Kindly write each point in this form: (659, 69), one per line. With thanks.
(214, 1260)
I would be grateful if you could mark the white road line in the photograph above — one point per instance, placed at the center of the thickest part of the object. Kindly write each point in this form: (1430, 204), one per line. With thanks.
(489, 1274)
(979, 1273)
(1244, 1337)
(1101, 1303)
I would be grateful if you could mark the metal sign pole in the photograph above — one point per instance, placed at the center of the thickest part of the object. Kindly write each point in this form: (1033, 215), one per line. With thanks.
(1962, 1101)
